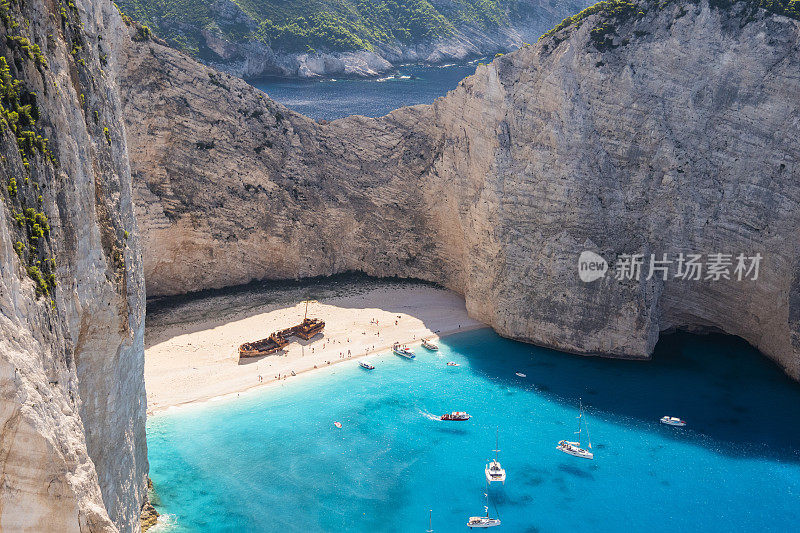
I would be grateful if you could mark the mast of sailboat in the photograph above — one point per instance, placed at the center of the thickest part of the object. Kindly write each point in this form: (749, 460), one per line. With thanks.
(588, 437)
(580, 424)
(496, 443)
(430, 521)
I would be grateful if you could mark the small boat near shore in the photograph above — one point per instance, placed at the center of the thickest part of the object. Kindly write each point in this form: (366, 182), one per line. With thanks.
(429, 345)
(452, 363)
(456, 416)
(403, 351)
(673, 421)
(364, 364)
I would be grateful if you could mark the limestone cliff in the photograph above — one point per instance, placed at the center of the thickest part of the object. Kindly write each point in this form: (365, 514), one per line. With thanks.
(72, 402)
(668, 128)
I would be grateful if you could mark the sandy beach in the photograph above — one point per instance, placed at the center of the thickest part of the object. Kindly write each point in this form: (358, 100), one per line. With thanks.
(191, 345)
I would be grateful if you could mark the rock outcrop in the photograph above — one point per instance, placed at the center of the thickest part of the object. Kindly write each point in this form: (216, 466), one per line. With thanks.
(72, 400)
(670, 128)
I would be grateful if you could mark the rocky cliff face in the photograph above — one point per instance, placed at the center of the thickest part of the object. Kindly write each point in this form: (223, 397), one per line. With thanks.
(662, 128)
(72, 402)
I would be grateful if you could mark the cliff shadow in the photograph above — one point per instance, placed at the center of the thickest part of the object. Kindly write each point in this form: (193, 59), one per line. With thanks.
(195, 311)
(723, 387)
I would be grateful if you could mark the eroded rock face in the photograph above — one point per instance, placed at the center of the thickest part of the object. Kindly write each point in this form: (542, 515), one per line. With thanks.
(72, 403)
(680, 136)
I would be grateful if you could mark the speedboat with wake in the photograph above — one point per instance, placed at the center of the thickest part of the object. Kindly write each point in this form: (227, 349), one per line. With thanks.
(402, 351)
(575, 447)
(493, 470)
(672, 421)
(429, 345)
(455, 416)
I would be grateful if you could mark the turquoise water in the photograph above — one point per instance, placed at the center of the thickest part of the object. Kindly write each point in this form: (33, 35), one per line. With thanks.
(273, 461)
(337, 98)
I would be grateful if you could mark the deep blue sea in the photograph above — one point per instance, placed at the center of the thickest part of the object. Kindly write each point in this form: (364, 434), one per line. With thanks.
(330, 99)
(272, 459)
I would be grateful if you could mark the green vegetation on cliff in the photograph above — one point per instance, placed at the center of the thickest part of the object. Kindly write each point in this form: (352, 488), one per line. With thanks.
(614, 12)
(302, 25)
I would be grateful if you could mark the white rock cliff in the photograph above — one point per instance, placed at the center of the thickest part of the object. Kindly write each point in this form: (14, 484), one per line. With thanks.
(72, 399)
(674, 133)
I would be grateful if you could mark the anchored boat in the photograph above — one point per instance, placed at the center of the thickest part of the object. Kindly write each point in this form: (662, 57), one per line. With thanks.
(403, 351)
(364, 364)
(483, 521)
(672, 421)
(429, 345)
(493, 470)
(574, 447)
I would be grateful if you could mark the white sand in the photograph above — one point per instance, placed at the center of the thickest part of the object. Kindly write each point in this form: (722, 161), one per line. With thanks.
(191, 349)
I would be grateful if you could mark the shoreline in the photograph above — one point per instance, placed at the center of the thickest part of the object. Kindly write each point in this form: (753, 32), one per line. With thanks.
(307, 371)
(191, 348)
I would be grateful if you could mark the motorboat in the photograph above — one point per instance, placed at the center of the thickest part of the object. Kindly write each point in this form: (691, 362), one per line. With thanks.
(520, 374)
(429, 345)
(456, 416)
(403, 351)
(672, 421)
(364, 364)
(452, 363)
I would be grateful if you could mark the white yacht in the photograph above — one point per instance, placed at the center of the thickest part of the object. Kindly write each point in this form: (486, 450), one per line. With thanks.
(429, 345)
(483, 521)
(672, 421)
(494, 471)
(403, 351)
(575, 447)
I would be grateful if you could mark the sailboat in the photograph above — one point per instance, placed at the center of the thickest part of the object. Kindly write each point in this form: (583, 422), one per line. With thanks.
(574, 448)
(430, 521)
(483, 521)
(495, 472)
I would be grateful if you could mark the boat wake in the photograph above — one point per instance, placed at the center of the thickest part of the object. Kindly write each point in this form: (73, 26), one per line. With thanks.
(429, 415)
